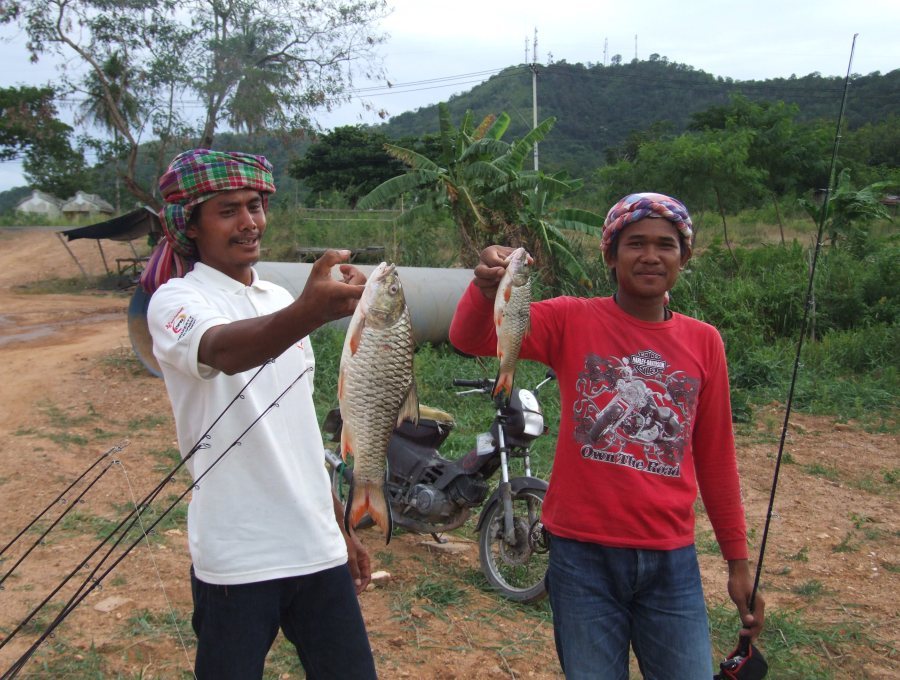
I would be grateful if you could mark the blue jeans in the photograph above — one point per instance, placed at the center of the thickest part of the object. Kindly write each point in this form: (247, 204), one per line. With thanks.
(319, 613)
(605, 599)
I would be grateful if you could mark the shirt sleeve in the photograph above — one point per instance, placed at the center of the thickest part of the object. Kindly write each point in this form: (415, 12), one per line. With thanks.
(177, 318)
(472, 328)
(715, 459)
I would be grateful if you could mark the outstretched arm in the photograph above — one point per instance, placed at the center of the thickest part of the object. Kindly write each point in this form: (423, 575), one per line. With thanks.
(242, 345)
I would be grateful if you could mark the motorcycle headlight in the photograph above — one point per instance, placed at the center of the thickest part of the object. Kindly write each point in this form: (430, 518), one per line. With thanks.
(531, 410)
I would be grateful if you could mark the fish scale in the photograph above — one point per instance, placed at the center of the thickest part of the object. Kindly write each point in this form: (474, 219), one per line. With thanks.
(376, 393)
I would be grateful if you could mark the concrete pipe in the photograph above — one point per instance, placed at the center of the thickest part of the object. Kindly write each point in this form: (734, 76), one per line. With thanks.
(431, 295)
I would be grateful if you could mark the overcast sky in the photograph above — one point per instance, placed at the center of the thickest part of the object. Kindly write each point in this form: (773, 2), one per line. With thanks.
(457, 45)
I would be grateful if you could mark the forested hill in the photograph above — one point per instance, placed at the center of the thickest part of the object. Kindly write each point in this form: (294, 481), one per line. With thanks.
(597, 106)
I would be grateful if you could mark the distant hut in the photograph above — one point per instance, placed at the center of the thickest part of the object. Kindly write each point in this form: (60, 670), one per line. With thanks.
(86, 205)
(40, 203)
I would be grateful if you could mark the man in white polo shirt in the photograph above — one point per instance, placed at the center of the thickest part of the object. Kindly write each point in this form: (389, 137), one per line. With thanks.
(267, 544)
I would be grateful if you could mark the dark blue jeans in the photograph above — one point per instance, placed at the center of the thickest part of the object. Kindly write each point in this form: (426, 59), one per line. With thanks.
(319, 613)
(607, 599)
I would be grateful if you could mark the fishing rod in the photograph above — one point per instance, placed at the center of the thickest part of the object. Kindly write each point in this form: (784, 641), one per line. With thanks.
(746, 662)
(69, 507)
(61, 496)
(95, 581)
(149, 498)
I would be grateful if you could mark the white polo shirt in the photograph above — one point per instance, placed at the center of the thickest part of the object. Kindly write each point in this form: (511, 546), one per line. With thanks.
(265, 510)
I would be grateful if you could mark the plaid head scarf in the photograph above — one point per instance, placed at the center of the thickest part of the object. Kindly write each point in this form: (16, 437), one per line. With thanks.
(636, 207)
(193, 177)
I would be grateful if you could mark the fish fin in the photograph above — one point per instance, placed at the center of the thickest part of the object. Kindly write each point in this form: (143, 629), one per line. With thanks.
(507, 293)
(503, 385)
(346, 442)
(369, 498)
(356, 334)
(409, 409)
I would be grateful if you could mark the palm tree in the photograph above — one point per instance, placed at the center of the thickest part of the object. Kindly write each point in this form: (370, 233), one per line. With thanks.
(110, 94)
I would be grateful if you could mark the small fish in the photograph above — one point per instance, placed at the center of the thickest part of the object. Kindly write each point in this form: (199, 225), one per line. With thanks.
(376, 390)
(512, 318)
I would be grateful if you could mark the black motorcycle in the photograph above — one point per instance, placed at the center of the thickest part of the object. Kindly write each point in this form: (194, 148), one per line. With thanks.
(430, 494)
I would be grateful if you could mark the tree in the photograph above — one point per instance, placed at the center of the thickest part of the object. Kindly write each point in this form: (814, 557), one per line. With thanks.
(60, 171)
(478, 179)
(349, 159)
(848, 211)
(97, 108)
(791, 156)
(251, 63)
(29, 129)
(28, 120)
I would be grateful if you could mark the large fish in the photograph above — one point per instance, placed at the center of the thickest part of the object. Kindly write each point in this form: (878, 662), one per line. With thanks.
(376, 390)
(512, 318)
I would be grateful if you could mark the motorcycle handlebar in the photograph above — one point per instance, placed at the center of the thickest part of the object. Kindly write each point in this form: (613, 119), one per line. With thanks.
(482, 383)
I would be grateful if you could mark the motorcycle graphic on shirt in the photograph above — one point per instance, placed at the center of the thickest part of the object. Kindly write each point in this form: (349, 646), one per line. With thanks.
(632, 410)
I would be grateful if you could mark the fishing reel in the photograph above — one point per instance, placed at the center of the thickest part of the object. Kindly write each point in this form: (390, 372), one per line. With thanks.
(746, 662)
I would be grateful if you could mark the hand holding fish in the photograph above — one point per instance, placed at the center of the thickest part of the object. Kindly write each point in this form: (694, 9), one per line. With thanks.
(491, 268)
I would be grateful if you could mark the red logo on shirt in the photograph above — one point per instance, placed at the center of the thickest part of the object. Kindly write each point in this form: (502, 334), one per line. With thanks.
(180, 323)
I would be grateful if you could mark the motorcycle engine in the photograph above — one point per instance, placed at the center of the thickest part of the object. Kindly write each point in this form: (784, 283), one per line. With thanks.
(436, 505)
(430, 502)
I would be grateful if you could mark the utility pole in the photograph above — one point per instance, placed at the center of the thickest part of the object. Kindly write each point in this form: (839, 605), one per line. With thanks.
(534, 94)
(635, 46)
(606, 51)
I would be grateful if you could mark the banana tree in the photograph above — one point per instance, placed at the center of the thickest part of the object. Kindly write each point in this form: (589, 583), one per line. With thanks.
(463, 180)
(848, 211)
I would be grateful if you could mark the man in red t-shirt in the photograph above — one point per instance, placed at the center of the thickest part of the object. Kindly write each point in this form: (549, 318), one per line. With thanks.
(645, 420)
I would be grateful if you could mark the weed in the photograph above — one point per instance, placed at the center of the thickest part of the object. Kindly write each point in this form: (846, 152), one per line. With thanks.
(859, 521)
(147, 422)
(124, 359)
(439, 592)
(706, 543)
(819, 470)
(385, 559)
(846, 545)
(809, 589)
(801, 555)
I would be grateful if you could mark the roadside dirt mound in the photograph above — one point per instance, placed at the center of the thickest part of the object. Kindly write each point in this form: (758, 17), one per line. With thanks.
(72, 389)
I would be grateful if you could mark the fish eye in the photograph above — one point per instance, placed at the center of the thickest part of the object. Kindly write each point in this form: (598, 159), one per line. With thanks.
(394, 288)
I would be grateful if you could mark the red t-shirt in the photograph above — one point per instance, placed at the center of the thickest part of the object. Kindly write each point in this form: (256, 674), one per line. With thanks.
(645, 418)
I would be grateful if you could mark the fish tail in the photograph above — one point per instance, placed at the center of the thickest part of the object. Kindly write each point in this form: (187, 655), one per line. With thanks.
(369, 498)
(503, 385)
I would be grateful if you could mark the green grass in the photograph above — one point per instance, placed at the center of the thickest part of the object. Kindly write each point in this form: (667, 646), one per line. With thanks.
(800, 647)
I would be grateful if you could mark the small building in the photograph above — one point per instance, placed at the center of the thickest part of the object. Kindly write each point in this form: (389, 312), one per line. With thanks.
(41, 203)
(84, 204)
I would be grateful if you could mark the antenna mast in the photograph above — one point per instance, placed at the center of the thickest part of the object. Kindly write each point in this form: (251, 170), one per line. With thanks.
(534, 94)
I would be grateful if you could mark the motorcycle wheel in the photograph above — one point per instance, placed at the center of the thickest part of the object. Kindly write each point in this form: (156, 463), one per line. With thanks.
(516, 569)
(340, 484)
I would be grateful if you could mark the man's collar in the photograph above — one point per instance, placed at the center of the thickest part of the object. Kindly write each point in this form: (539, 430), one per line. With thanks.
(214, 277)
